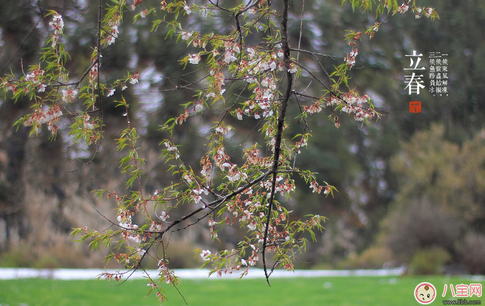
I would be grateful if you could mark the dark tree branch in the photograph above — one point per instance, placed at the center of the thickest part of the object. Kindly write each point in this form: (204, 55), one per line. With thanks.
(216, 203)
(281, 122)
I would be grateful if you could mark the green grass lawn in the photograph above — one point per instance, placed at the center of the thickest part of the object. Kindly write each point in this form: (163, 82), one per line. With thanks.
(284, 291)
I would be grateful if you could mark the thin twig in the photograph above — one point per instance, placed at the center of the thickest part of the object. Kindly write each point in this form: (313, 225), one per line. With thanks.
(301, 29)
(313, 53)
(98, 55)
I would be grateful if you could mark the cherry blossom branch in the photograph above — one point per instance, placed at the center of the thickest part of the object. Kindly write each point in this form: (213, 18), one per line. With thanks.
(95, 62)
(216, 203)
(76, 84)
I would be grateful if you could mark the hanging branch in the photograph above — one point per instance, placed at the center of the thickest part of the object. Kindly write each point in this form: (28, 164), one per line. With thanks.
(281, 123)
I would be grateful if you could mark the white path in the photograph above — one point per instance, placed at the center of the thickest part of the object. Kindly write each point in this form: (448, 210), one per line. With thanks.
(80, 274)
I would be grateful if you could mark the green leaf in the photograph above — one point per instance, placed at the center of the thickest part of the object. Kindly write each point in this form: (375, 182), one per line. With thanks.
(156, 24)
(130, 181)
(76, 231)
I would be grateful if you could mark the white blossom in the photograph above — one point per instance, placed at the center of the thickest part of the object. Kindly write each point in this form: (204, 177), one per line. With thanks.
(293, 69)
(252, 225)
(251, 52)
(205, 255)
(68, 94)
(229, 57)
(113, 34)
(186, 35)
(280, 53)
(164, 216)
(251, 80)
(57, 24)
(194, 58)
(170, 147)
